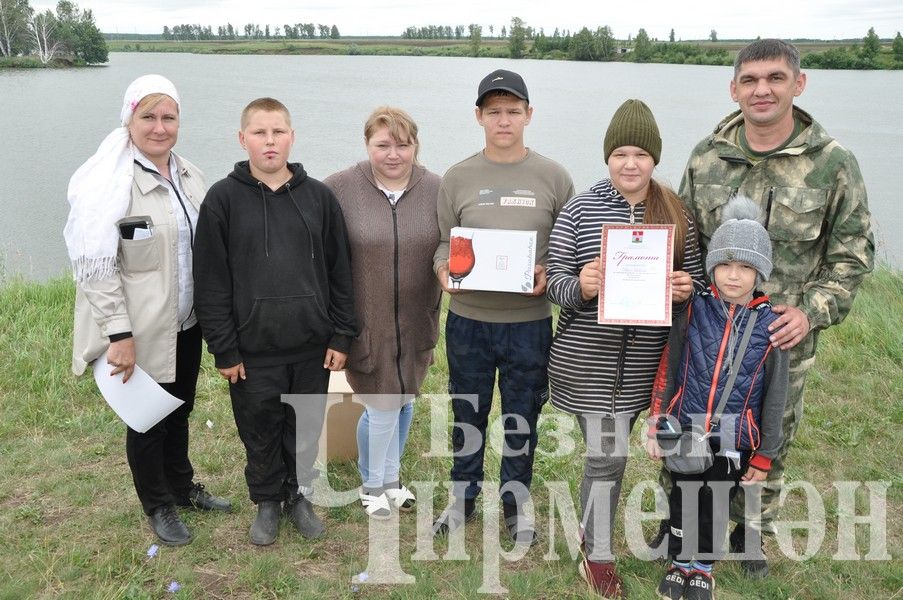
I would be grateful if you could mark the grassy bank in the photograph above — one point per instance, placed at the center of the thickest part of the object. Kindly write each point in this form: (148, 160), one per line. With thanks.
(32, 62)
(71, 527)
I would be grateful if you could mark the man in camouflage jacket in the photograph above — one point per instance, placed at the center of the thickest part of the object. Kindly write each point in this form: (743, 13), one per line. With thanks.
(814, 200)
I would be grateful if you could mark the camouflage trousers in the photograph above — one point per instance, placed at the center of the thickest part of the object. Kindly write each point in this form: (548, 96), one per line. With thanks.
(801, 360)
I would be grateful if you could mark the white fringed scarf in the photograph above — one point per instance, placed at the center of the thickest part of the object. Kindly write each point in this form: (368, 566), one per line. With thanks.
(100, 190)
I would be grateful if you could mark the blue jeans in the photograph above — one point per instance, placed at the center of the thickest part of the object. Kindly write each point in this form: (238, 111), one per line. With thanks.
(381, 436)
(520, 353)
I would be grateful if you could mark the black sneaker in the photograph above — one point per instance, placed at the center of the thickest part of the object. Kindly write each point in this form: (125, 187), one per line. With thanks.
(755, 567)
(673, 585)
(454, 516)
(200, 499)
(700, 586)
(169, 527)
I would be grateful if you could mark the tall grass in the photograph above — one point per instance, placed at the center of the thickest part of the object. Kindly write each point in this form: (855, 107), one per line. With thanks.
(71, 526)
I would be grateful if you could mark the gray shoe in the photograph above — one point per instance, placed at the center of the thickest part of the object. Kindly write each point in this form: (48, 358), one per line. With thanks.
(301, 513)
(521, 529)
(266, 526)
(169, 527)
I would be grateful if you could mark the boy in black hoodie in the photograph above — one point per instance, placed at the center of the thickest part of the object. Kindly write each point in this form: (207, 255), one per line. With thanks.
(274, 298)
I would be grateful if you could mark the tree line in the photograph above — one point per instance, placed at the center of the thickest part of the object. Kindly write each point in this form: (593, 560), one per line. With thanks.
(601, 45)
(868, 55)
(69, 33)
(524, 41)
(297, 31)
(458, 32)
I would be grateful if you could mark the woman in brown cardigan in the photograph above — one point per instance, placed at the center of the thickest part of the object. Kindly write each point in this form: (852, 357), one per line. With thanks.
(389, 203)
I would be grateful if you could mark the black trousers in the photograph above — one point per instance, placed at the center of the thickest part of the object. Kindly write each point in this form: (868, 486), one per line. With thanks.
(702, 517)
(158, 458)
(280, 455)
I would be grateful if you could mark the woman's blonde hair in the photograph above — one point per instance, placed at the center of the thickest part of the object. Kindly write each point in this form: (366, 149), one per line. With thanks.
(399, 123)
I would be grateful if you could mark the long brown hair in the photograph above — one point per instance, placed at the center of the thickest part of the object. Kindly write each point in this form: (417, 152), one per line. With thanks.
(663, 207)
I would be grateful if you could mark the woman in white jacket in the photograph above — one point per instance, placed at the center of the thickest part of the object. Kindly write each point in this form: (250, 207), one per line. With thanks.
(133, 209)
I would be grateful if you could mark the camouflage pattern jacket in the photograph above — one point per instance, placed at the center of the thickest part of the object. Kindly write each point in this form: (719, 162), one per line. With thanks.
(816, 210)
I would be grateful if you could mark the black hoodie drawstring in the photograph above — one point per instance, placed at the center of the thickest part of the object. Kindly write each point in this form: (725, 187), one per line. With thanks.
(266, 229)
(310, 236)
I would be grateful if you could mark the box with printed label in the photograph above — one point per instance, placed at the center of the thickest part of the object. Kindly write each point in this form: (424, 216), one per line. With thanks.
(492, 260)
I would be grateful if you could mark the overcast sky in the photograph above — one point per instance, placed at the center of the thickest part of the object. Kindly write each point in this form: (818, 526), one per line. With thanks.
(824, 19)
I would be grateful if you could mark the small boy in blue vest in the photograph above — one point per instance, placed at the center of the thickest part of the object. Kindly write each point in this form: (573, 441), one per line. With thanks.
(721, 378)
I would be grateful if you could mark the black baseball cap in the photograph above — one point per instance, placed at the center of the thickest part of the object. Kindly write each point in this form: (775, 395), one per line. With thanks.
(502, 80)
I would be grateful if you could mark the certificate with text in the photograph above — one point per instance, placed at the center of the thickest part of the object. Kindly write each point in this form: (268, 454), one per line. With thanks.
(636, 274)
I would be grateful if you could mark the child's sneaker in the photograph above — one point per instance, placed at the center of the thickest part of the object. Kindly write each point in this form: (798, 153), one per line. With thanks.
(603, 578)
(673, 585)
(700, 586)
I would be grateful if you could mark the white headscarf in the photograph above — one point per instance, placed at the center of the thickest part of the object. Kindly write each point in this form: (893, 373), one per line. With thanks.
(99, 191)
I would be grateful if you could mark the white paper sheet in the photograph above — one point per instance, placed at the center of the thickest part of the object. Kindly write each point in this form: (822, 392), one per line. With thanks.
(140, 402)
(636, 274)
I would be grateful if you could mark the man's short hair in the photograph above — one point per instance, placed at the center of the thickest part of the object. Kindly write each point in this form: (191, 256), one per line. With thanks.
(768, 49)
(267, 105)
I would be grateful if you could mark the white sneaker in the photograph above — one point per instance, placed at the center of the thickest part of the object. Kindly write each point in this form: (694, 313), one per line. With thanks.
(402, 498)
(376, 507)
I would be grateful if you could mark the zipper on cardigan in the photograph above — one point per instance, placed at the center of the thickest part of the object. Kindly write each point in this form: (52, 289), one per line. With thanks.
(397, 323)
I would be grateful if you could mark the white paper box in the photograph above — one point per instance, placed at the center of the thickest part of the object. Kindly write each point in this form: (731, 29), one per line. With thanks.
(502, 259)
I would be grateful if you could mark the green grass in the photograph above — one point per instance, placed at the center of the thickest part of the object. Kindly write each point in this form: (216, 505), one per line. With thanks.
(71, 526)
(33, 62)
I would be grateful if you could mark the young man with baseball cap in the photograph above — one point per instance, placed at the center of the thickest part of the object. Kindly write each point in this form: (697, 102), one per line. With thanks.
(504, 186)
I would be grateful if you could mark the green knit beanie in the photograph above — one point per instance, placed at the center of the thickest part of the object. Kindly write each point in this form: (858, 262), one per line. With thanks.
(633, 125)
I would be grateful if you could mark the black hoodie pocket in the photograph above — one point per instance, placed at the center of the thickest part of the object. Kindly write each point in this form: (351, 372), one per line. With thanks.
(284, 323)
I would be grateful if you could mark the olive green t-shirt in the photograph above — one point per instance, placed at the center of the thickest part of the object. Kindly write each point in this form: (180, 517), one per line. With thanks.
(755, 156)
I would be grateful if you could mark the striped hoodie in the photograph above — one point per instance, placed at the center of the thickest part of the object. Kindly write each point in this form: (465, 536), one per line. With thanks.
(596, 368)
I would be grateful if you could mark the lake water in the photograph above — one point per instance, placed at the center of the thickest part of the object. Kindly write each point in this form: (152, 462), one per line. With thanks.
(53, 120)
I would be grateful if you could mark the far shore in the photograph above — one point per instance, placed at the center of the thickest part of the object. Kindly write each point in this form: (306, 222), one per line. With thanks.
(701, 52)
(821, 53)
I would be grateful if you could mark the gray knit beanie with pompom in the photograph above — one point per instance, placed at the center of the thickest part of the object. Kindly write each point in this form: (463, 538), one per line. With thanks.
(740, 237)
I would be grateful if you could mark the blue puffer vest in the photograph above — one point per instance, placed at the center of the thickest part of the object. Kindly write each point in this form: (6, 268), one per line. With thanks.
(703, 371)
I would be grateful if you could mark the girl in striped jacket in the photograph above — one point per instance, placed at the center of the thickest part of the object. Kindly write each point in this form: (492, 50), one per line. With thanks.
(604, 373)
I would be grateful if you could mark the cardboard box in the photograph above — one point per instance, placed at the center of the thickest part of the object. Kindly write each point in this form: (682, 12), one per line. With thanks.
(492, 260)
(338, 441)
